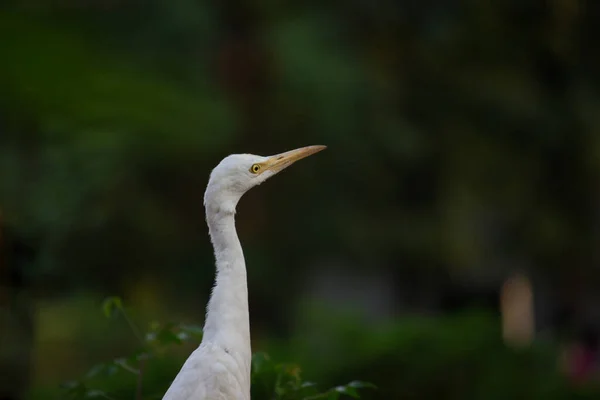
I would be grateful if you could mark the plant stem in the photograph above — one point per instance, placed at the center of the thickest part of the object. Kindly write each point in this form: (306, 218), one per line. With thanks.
(138, 391)
(133, 327)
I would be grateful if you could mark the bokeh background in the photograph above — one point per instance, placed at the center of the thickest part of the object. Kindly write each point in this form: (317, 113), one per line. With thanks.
(445, 245)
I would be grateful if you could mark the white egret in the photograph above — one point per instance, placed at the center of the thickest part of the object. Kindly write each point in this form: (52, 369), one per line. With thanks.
(219, 369)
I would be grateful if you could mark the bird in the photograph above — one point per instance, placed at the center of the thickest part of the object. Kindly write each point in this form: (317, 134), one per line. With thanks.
(219, 368)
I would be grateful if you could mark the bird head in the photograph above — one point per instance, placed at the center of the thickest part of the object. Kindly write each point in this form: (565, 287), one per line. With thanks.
(238, 173)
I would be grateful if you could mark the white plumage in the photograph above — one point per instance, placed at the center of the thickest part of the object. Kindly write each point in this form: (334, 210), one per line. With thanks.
(219, 369)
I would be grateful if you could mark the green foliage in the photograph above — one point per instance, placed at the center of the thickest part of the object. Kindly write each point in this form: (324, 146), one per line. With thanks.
(111, 306)
(76, 90)
(459, 356)
(270, 380)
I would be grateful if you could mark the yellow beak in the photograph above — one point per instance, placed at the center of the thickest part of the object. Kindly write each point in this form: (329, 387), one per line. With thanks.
(281, 161)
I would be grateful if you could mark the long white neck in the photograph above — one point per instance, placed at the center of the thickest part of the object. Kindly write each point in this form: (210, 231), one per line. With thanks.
(227, 321)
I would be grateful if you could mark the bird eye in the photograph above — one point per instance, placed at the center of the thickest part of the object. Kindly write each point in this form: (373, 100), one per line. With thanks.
(255, 168)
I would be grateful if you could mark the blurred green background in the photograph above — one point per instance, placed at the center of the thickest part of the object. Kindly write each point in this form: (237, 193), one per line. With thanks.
(463, 147)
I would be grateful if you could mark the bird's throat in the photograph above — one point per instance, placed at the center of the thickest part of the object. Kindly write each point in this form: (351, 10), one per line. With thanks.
(227, 316)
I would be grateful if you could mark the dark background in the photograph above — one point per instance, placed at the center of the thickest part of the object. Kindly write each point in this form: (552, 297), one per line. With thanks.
(463, 147)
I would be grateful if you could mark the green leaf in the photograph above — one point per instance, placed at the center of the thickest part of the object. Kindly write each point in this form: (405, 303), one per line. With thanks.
(112, 370)
(97, 370)
(361, 385)
(111, 306)
(74, 389)
(94, 393)
(304, 390)
(348, 390)
(264, 376)
(121, 362)
(351, 389)
(261, 362)
(140, 356)
(192, 331)
(71, 385)
(167, 336)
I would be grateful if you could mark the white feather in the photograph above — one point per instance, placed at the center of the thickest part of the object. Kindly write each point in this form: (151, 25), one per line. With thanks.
(219, 369)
